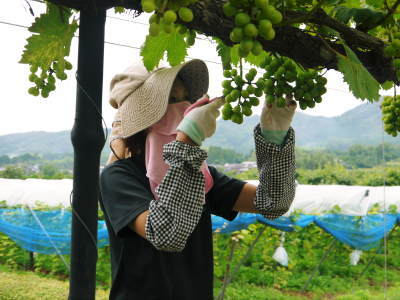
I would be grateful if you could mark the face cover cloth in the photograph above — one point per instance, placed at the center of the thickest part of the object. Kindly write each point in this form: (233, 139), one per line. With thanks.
(161, 133)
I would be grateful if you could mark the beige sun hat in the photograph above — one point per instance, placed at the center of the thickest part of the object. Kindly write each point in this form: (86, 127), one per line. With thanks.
(141, 97)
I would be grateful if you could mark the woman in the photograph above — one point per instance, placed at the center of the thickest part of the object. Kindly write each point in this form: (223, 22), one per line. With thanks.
(158, 193)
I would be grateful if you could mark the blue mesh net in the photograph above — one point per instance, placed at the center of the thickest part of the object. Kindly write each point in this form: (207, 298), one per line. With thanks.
(49, 232)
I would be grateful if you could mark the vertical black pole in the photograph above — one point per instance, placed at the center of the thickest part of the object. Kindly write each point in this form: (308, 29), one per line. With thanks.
(87, 139)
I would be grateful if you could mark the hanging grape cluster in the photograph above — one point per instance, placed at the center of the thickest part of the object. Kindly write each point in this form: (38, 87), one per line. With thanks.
(244, 92)
(393, 50)
(46, 82)
(166, 12)
(307, 86)
(252, 18)
(391, 114)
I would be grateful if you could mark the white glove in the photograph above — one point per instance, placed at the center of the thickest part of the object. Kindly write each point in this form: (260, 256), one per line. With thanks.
(275, 118)
(200, 123)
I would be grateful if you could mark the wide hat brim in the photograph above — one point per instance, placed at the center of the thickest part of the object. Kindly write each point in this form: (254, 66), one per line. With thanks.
(148, 103)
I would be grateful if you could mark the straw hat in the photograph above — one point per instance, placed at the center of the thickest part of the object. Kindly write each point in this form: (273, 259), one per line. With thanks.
(142, 96)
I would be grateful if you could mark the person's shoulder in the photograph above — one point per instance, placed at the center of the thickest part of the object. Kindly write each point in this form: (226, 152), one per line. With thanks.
(122, 166)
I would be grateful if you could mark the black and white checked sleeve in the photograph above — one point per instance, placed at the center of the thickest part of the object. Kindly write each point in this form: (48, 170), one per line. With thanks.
(174, 216)
(276, 166)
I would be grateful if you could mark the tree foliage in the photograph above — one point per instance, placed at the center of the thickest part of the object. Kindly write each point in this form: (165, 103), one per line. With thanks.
(361, 39)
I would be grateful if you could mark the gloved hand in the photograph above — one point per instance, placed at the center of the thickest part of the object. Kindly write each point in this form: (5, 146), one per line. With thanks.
(200, 121)
(275, 121)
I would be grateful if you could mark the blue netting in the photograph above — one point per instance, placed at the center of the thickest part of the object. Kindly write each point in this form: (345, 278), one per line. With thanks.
(23, 228)
(362, 233)
(20, 225)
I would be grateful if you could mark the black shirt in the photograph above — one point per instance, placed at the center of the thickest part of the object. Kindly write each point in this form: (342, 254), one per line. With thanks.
(139, 270)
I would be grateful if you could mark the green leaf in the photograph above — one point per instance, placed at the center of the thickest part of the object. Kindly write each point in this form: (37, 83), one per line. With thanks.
(360, 81)
(177, 48)
(235, 58)
(387, 85)
(256, 60)
(51, 39)
(224, 52)
(155, 46)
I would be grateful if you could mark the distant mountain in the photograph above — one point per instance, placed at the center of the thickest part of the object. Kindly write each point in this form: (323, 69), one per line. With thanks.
(361, 125)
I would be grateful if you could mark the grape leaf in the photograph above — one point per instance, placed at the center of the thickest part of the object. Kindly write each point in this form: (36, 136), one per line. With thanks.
(51, 38)
(155, 47)
(256, 60)
(224, 52)
(235, 57)
(360, 81)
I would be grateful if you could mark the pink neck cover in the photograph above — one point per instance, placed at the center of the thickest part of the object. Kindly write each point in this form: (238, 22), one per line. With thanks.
(161, 133)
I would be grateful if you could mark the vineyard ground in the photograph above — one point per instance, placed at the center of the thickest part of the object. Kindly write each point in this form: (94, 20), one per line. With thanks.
(18, 285)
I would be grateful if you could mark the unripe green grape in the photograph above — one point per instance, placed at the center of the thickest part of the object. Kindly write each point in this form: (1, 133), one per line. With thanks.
(61, 76)
(257, 48)
(280, 102)
(229, 9)
(155, 18)
(185, 14)
(44, 93)
(310, 103)
(234, 72)
(169, 17)
(51, 86)
(227, 73)
(226, 91)
(246, 45)
(243, 53)
(389, 51)
(261, 3)
(260, 83)
(318, 99)
(191, 39)
(264, 26)
(396, 44)
(51, 79)
(250, 89)
(235, 94)
(32, 77)
(254, 101)
(43, 75)
(247, 111)
(245, 93)
(154, 29)
(303, 105)
(236, 35)
(227, 108)
(269, 35)
(249, 77)
(253, 72)
(182, 29)
(227, 84)
(148, 5)
(33, 68)
(238, 80)
(237, 118)
(258, 92)
(34, 91)
(276, 17)
(237, 109)
(250, 30)
(68, 65)
(321, 80)
(270, 99)
(242, 19)
(228, 98)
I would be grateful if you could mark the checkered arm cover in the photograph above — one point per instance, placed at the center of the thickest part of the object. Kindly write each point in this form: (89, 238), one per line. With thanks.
(276, 166)
(174, 216)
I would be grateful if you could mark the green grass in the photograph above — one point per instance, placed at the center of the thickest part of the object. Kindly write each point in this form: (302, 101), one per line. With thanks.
(25, 285)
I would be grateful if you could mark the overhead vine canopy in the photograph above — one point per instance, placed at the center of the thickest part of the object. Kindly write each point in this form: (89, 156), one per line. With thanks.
(292, 42)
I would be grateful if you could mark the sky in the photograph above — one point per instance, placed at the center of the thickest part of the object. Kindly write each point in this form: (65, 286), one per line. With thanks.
(21, 112)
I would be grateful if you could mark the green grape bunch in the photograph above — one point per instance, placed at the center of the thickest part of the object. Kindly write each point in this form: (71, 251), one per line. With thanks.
(165, 15)
(391, 114)
(283, 79)
(393, 50)
(253, 19)
(240, 94)
(46, 81)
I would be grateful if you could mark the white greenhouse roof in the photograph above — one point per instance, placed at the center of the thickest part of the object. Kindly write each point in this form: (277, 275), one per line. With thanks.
(310, 199)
